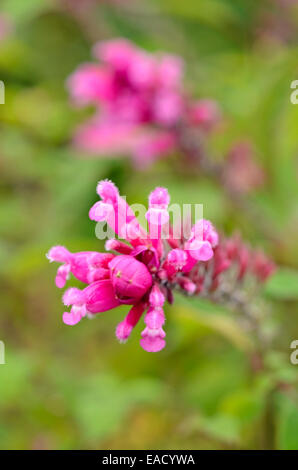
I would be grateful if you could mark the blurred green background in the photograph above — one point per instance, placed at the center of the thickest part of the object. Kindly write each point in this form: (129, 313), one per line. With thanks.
(77, 388)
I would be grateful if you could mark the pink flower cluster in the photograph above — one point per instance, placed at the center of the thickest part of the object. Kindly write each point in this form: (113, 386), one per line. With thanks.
(139, 102)
(143, 273)
(147, 267)
(233, 263)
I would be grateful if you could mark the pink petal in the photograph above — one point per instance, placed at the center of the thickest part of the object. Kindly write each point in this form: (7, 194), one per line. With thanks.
(59, 254)
(62, 275)
(100, 211)
(73, 317)
(152, 344)
(100, 296)
(73, 296)
(200, 250)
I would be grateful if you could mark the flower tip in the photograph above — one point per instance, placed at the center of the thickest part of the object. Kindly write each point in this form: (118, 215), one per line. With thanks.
(107, 190)
(99, 211)
(152, 344)
(110, 244)
(59, 254)
(115, 52)
(177, 258)
(60, 281)
(190, 287)
(201, 251)
(70, 318)
(157, 217)
(123, 331)
(159, 197)
(156, 297)
(72, 296)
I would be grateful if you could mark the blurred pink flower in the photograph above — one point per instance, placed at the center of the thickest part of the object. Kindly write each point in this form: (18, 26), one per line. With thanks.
(139, 101)
(6, 26)
(205, 113)
(241, 172)
(143, 143)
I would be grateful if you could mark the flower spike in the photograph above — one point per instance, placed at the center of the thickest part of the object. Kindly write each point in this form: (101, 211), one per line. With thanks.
(145, 271)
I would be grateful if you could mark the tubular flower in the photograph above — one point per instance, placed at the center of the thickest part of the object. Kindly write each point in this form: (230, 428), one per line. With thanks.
(147, 267)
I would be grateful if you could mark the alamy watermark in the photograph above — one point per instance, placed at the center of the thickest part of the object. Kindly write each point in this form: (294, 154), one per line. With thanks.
(294, 355)
(2, 352)
(2, 92)
(135, 221)
(294, 94)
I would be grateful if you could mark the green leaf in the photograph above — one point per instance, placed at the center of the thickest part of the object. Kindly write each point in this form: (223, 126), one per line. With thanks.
(223, 427)
(214, 317)
(283, 285)
(103, 403)
(214, 12)
(21, 11)
(246, 405)
(287, 423)
(14, 377)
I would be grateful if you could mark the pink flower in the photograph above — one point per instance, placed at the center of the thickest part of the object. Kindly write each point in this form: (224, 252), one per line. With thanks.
(157, 214)
(131, 278)
(90, 84)
(97, 297)
(106, 138)
(115, 211)
(87, 266)
(139, 102)
(200, 245)
(117, 138)
(262, 267)
(147, 268)
(119, 54)
(170, 71)
(125, 327)
(153, 335)
(153, 145)
(168, 107)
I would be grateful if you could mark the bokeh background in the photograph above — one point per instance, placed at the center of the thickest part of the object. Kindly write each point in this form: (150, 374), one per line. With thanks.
(77, 388)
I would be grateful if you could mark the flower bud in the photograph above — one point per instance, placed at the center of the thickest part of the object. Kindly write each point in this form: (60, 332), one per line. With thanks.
(159, 198)
(117, 245)
(131, 278)
(153, 335)
(199, 250)
(125, 328)
(97, 297)
(177, 258)
(107, 191)
(156, 297)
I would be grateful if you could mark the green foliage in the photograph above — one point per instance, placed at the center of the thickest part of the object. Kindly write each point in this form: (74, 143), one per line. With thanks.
(105, 403)
(23, 11)
(287, 423)
(283, 285)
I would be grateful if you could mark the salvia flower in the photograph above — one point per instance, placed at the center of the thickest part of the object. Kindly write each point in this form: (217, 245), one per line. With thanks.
(147, 267)
(139, 101)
